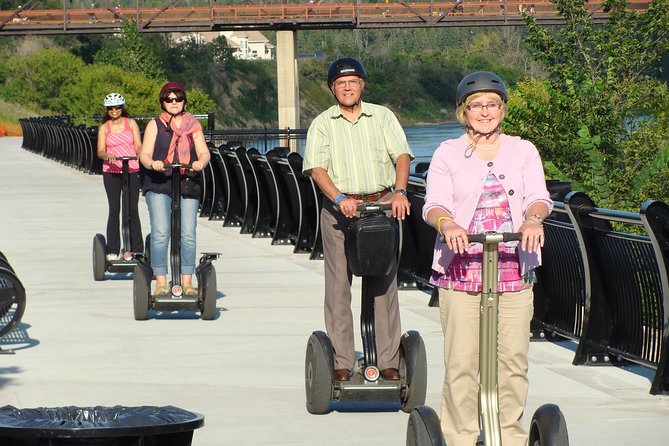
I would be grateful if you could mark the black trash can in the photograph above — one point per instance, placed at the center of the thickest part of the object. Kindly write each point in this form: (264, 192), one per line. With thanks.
(99, 426)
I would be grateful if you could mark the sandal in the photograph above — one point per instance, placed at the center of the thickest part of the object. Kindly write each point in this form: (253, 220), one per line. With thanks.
(189, 290)
(161, 290)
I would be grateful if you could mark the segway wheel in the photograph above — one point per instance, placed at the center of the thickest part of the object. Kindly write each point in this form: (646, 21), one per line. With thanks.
(548, 427)
(423, 428)
(413, 370)
(99, 257)
(12, 298)
(208, 290)
(319, 371)
(141, 292)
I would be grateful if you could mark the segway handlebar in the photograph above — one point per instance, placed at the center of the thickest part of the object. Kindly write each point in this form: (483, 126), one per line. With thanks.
(178, 166)
(370, 207)
(126, 158)
(488, 236)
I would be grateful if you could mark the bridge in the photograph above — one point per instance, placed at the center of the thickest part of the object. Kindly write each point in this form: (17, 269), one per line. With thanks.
(307, 15)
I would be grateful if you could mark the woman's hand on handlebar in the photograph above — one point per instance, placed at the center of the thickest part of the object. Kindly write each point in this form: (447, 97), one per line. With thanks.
(455, 237)
(197, 166)
(157, 165)
(533, 235)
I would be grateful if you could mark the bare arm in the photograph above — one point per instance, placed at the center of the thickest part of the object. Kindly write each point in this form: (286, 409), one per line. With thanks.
(146, 153)
(102, 144)
(347, 205)
(136, 137)
(400, 203)
(201, 150)
(532, 228)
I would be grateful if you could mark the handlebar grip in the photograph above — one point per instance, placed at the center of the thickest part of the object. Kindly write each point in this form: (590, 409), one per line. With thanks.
(177, 166)
(512, 236)
(478, 238)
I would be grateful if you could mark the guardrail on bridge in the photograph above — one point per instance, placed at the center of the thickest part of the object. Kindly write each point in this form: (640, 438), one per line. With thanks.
(604, 282)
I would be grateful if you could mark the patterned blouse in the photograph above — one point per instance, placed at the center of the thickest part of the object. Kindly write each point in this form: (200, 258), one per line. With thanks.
(464, 272)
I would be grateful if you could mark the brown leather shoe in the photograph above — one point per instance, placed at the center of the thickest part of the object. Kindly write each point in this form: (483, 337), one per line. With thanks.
(390, 374)
(342, 375)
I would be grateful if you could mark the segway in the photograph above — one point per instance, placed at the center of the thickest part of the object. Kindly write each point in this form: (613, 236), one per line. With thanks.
(371, 246)
(126, 263)
(548, 426)
(175, 299)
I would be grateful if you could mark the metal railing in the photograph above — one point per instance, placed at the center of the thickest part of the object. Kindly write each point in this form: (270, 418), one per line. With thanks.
(603, 283)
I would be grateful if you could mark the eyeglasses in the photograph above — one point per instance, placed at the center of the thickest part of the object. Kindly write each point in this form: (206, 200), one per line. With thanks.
(174, 100)
(350, 84)
(476, 107)
(114, 107)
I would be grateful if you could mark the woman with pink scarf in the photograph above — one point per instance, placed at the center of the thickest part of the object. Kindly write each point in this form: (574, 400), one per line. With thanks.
(174, 136)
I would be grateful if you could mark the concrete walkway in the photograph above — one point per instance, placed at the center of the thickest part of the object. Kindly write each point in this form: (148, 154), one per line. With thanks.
(79, 344)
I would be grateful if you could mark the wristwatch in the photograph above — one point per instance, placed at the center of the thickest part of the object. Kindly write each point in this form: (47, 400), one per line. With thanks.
(401, 191)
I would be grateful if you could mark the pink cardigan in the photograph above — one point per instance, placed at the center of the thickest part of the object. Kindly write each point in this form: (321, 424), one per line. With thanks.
(455, 184)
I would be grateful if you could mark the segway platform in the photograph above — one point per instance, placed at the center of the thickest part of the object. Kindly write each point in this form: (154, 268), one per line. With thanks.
(126, 263)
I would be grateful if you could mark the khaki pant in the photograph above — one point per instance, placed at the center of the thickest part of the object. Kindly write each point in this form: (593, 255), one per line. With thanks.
(338, 315)
(460, 313)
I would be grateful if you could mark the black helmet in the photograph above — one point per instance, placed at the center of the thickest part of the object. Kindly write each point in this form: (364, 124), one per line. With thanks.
(480, 81)
(346, 66)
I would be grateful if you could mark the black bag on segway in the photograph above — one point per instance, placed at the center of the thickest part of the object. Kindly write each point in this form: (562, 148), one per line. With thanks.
(190, 185)
(371, 245)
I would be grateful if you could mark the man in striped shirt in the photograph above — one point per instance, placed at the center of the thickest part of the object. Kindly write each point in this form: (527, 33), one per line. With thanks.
(357, 152)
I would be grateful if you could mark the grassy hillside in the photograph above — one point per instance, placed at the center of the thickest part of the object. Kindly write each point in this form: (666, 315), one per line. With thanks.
(9, 118)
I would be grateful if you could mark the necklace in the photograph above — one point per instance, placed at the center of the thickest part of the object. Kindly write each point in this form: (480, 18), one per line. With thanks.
(492, 147)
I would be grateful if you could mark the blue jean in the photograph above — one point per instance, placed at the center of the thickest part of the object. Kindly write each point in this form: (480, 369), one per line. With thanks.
(160, 215)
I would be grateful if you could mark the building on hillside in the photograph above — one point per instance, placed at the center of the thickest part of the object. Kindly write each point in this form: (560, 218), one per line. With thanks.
(245, 45)
(249, 45)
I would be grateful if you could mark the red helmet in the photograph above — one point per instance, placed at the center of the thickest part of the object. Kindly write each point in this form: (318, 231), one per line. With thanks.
(172, 87)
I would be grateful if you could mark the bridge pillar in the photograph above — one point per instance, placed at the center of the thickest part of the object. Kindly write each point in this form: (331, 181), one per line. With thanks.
(288, 82)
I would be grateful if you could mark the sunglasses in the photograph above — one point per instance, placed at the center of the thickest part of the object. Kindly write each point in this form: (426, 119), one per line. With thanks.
(114, 107)
(173, 100)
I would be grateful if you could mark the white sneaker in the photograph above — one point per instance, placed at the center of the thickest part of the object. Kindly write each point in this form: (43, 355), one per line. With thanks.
(112, 257)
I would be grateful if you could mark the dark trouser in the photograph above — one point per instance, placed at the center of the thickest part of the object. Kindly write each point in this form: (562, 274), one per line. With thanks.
(338, 315)
(113, 183)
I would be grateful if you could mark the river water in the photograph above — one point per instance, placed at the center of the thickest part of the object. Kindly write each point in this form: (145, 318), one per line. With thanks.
(424, 139)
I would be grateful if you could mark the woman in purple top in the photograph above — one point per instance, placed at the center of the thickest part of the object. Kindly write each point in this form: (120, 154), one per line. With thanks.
(485, 181)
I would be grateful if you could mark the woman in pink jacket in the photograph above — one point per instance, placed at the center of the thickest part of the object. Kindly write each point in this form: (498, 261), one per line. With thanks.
(485, 181)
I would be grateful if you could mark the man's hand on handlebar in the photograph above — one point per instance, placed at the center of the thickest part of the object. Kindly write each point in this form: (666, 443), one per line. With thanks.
(349, 206)
(400, 205)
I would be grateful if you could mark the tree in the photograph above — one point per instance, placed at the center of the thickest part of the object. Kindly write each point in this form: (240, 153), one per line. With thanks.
(37, 78)
(132, 52)
(598, 117)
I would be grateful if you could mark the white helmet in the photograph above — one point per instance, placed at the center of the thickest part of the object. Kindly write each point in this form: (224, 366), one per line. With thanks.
(113, 99)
